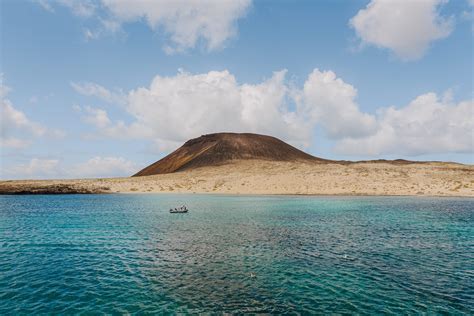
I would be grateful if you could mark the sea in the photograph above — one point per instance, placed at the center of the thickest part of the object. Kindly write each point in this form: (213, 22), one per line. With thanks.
(126, 254)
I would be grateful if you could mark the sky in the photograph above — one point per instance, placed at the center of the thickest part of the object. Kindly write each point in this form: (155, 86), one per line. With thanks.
(104, 88)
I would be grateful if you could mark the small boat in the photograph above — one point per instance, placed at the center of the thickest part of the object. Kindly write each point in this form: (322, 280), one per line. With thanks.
(181, 209)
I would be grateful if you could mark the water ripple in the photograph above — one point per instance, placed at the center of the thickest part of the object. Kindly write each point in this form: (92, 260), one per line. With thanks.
(124, 254)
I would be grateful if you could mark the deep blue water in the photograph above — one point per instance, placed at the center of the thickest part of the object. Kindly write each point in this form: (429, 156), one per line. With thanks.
(127, 254)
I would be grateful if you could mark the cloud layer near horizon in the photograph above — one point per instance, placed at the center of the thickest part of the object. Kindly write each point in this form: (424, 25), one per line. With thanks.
(96, 167)
(174, 109)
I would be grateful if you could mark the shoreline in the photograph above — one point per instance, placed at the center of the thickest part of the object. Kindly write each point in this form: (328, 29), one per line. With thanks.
(244, 194)
(256, 177)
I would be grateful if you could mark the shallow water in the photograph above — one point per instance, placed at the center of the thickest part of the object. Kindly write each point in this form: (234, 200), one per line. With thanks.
(127, 254)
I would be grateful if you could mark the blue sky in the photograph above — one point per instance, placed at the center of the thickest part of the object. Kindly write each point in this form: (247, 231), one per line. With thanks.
(103, 88)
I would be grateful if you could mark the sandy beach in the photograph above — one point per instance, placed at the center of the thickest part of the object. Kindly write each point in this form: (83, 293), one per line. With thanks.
(269, 177)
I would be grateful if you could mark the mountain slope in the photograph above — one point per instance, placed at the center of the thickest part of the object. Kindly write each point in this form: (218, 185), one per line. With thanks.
(220, 148)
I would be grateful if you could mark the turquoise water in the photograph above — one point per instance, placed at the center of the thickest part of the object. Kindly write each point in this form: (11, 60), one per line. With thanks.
(127, 254)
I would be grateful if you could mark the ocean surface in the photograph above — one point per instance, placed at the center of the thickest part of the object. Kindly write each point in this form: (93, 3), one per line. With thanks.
(118, 254)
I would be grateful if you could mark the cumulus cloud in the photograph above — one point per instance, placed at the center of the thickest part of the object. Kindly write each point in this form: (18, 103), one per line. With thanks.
(96, 167)
(174, 109)
(405, 27)
(185, 22)
(16, 128)
(427, 125)
(330, 101)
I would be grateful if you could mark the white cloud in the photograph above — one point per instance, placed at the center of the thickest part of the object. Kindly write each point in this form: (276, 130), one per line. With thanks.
(427, 125)
(96, 167)
(174, 109)
(185, 22)
(96, 90)
(34, 169)
(45, 4)
(330, 101)
(108, 128)
(405, 27)
(96, 117)
(106, 26)
(15, 125)
(15, 119)
(104, 167)
(264, 108)
(83, 8)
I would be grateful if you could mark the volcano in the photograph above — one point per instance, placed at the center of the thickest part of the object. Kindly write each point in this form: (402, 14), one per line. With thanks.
(221, 148)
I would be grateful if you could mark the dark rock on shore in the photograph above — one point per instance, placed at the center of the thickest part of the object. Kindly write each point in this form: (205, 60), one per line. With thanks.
(50, 189)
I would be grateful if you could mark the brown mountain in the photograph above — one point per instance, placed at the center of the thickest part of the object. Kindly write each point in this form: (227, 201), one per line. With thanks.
(220, 148)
